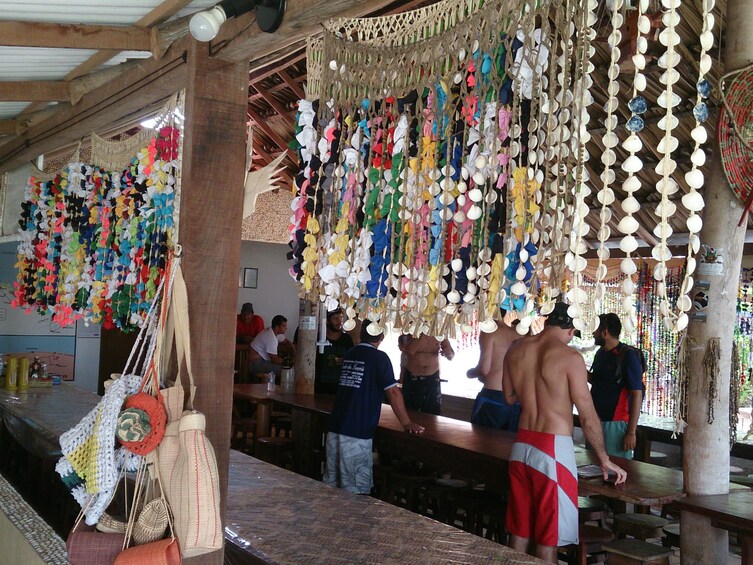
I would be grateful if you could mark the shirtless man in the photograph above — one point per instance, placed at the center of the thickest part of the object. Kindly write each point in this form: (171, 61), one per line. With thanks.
(420, 371)
(547, 377)
(490, 408)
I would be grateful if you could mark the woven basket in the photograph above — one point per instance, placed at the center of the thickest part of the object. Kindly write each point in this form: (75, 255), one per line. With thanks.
(736, 121)
(152, 522)
(111, 525)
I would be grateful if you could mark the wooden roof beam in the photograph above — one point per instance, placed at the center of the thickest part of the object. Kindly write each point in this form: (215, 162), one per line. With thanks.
(8, 127)
(145, 82)
(272, 101)
(77, 36)
(271, 134)
(294, 86)
(35, 91)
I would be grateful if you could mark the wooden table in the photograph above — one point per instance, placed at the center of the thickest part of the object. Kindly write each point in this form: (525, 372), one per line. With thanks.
(276, 516)
(732, 512)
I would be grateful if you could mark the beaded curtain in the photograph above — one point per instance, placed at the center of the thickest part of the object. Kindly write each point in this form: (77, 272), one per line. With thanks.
(93, 241)
(428, 142)
(744, 333)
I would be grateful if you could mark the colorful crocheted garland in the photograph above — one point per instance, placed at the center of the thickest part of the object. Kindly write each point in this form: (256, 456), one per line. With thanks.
(93, 242)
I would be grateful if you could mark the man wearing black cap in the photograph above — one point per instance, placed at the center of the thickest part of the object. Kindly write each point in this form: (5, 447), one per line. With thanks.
(547, 378)
(248, 325)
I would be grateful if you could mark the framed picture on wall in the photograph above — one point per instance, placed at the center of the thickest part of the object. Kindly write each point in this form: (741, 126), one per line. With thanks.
(250, 277)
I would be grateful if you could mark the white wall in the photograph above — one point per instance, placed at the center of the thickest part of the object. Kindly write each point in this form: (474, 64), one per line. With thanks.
(276, 291)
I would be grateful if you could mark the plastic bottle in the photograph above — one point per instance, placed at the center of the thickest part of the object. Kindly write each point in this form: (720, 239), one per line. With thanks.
(11, 373)
(23, 374)
(271, 382)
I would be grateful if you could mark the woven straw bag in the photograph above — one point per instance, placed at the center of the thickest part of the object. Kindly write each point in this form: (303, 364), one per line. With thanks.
(187, 463)
(151, 523)
(111, 525)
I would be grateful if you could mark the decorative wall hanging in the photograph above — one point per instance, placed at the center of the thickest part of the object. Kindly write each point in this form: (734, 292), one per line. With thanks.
(736, 131)
(93, 241)
(443, 162)
(424, 140)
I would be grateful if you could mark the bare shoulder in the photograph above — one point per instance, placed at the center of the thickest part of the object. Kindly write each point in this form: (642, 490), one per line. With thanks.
(573, 361)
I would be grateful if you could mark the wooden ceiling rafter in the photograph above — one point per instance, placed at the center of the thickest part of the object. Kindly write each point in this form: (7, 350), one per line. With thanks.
(294, 85)
(79, 36)
(273, 135)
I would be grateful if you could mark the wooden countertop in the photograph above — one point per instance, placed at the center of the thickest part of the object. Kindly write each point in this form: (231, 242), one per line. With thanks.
(281, 517)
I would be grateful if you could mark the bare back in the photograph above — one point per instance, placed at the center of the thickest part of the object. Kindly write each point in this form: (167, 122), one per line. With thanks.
(493, 348)
(547, 377)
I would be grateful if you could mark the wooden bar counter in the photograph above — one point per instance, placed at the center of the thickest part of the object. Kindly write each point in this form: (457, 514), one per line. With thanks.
(481, 453)
(276, 516)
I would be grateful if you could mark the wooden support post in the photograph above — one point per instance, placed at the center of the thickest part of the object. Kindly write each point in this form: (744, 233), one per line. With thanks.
(214, 155)
(706, 446)
(305, 362)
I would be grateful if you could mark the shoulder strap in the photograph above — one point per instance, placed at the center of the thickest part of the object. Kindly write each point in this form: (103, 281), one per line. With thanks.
(183, 331)
(620, 372)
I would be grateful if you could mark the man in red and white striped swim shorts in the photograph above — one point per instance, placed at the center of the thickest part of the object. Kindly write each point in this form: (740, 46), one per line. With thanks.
(547, 378)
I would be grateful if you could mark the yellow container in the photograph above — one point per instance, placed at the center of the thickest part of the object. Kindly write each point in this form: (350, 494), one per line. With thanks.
(11, 373)
(23, 373)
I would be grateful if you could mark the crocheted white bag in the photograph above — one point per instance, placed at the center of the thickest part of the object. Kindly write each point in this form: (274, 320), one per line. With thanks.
(91, 465)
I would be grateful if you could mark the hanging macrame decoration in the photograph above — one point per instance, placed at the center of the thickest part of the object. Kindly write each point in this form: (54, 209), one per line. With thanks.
(93, 241)
(432, 145)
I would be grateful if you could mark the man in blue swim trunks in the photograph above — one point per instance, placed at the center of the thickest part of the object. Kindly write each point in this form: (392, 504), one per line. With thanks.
(490, 408)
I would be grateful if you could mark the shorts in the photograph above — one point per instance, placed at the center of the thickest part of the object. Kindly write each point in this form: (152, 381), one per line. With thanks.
(614, 434)
(543, 489)
(349, 463)
(491, 410)
(422, 393)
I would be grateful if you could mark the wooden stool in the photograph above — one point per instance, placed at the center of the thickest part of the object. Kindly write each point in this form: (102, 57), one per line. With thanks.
(491, 514)
(242, 427)
(282, 425)
(275, 450)
(671, 535)
(670, 510)
(592, 509)
(404, 489)
(590, 541)
(640, 526)
(635, 552)
(440, 498)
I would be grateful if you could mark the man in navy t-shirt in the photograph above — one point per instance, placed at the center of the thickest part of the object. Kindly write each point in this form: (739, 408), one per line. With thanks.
(366, 377)
(616, 387)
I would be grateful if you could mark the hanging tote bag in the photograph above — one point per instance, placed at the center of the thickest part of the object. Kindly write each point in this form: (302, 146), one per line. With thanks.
(188, 466)
(92, 461)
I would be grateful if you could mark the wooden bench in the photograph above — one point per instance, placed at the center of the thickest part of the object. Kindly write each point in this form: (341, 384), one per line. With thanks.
(640, 526)
(636, 552)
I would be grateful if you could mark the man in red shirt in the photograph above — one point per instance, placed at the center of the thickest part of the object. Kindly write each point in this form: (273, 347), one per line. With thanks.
(248, 325)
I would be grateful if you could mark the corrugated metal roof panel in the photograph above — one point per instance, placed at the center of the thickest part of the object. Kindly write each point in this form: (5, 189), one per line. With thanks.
(104, 12)
(81, 12)
(11, 109)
